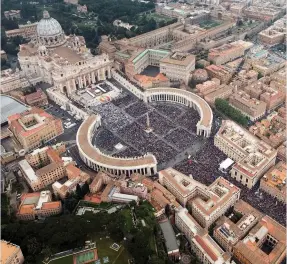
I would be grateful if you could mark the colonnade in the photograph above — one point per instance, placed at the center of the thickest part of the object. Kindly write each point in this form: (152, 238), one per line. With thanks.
(183, 97)
(147, 171)
(98, 161)
(81, 81)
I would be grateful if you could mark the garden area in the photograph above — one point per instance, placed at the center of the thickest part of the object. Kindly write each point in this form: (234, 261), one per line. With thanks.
(133, 227)
(209, 24)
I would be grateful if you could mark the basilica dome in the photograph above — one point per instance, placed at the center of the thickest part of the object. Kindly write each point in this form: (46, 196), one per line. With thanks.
(49, 31)
(48, 26)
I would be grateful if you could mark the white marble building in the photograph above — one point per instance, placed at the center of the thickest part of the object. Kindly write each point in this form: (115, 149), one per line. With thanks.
(60, 60)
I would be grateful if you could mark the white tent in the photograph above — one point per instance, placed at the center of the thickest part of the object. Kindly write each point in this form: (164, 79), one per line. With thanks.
(224, 165)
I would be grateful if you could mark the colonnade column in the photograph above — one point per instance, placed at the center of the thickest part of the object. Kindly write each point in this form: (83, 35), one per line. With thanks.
(93, 77)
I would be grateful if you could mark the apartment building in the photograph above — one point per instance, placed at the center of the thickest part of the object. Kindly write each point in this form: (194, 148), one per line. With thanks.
(206, 203)
(178, 66)
(12, 80)
(263, 13)
(98, 182)
(223, 92)
(11, 253)
(42, 167)
(219, 72)
(181, 186)
(229, 230)
(250, 107)
(75, 177)
(207, 87)
(228, 52)
(38, 98)
(272, 98)
(253, 156)
(274, 182)
(28, 30)
(34, 127)
(265, 243)
(12, 14)
(202, 245)
(38, 205)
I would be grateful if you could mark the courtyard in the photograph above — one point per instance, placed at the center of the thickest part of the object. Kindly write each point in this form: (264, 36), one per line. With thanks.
(124, 121)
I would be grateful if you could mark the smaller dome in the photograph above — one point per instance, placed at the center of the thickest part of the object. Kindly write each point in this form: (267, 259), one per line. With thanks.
(200, 75)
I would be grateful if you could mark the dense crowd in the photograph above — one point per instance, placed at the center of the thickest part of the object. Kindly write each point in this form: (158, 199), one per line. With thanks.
(181, 138)
(204, 168)
(189, 119)
(159, 124)
(169, 110)
(106, 140)
(137, 109)
(135, 135)
(126, 118)
(113, 117)
(128, 153)
(124, 100)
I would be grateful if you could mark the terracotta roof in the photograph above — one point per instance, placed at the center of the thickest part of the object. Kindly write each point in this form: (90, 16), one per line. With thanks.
(206, 248)
(54, 156)
(26, 209)
(48, 168)
(73, 171)
(27, 195)
(51, 205)
(15, 125)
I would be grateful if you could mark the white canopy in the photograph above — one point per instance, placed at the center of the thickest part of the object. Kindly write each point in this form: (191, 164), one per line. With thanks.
(226, 164)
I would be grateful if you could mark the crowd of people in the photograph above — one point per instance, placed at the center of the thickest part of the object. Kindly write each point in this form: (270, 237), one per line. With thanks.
(189, 119)
(181, 138)
(137, 109)
(160, 125)
(105, 140)
(126, 118)
(171, 111)
(113, 117)
(123, 100)
(204, 167)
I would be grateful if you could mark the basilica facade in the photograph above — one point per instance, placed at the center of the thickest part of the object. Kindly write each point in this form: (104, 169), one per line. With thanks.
(60, 60)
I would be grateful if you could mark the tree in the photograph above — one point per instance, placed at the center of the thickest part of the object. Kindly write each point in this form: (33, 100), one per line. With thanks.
(11, 48)
(224, 107)
(79, 191)
(85, 189)
(260, 75)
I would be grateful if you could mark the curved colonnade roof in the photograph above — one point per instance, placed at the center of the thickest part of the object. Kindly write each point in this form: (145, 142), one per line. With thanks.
(94, 154)
(206, 117)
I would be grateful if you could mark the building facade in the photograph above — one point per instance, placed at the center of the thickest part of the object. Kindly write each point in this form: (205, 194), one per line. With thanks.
(38, 206)
(252, 156)
(251, 107)
(34, 127)
(11, 253)
(274, 182)
(62, 61)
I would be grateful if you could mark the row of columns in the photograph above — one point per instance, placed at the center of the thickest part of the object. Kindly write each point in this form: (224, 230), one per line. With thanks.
(181, 100)
(146, 171)
(173, 98)
(86, 79)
